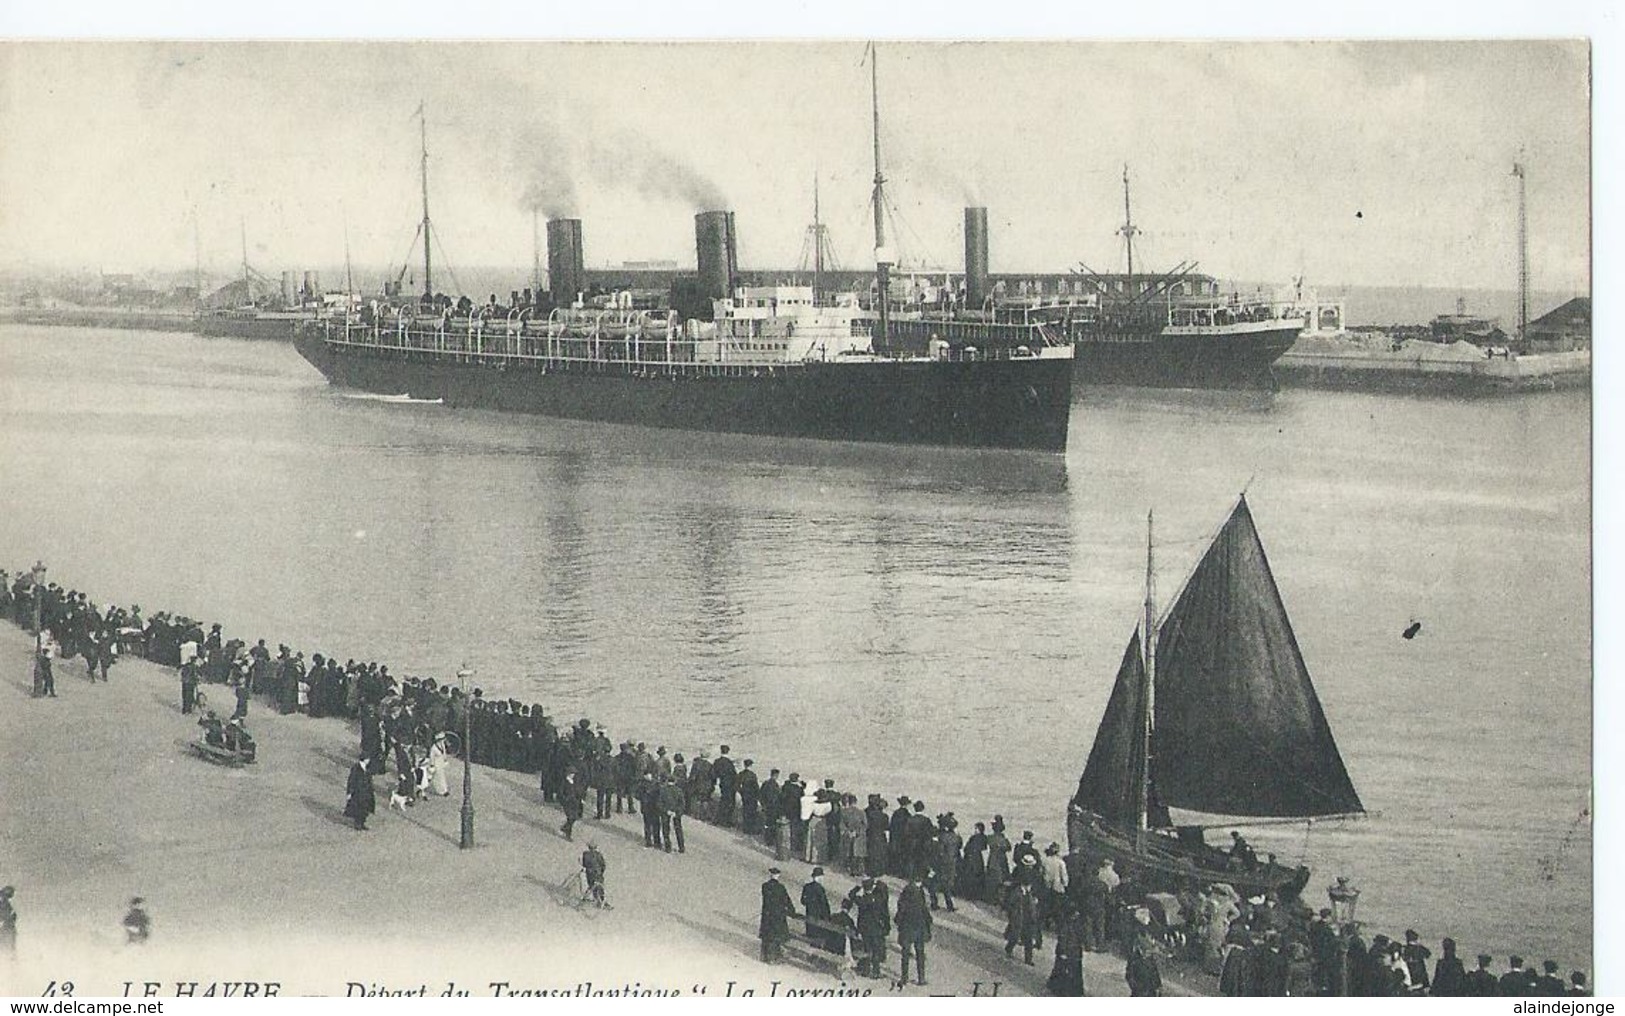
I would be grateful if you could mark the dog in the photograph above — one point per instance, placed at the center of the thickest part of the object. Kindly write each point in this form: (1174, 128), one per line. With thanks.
(404, 795)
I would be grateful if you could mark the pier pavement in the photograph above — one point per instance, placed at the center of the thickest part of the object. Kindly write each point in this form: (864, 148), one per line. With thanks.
(254, 876)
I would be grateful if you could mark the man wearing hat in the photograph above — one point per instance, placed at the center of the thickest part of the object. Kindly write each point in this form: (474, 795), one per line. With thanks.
(898, 850)
(1550, 984)
(749, 787)
(913, 927)
(1416, 956)
(815, 905)
(773, 930)
(1480, 982)
(874, 923)
(770, 795)
(727, 781)
(595, 867)
(137, 925)
(1517, 982)
(360, 800)
(8, 921)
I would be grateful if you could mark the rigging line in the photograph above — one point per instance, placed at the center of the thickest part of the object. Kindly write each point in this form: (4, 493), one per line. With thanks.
(446, 259)
(1212, 536)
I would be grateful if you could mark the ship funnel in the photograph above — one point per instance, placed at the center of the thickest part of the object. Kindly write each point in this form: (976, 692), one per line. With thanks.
(976, 288)
(287, 289)
(312, 287)
(717, 254)
(566, 267)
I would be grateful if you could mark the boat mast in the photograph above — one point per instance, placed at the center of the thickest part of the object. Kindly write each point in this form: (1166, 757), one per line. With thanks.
(1128, 231)
(1149, 648)
(882, 263)
(423, 135)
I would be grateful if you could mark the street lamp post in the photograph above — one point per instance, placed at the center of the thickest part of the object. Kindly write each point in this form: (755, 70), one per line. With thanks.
(38, 574)
(466, 839)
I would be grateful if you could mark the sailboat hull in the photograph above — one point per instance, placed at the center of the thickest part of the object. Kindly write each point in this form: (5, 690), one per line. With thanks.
(1168, 864)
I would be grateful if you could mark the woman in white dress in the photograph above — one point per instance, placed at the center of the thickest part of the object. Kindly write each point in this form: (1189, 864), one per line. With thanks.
(437, 766)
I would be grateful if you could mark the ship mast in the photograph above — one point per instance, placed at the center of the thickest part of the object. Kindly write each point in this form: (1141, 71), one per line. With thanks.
(1149, 649)
(1523, 254)
(423, 135)
(1128, 232)
(882, 256)
(248, 285)
(818, 242)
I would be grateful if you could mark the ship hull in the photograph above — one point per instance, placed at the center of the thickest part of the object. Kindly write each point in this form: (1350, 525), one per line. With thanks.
(1014, 404)
(1227, 358)
(1165, 864)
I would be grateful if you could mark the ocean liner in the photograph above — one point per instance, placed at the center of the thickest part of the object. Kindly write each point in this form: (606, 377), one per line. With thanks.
(1169, 330)
(783, 361)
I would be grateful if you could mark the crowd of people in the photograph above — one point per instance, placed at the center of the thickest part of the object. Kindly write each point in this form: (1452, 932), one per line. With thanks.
(1076, 899)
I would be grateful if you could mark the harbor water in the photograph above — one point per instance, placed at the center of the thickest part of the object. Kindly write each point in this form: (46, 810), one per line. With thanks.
(907, 621)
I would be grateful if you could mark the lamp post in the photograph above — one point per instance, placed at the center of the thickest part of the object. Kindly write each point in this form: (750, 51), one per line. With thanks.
(1343, 897)
(38, 590)
(466, 839)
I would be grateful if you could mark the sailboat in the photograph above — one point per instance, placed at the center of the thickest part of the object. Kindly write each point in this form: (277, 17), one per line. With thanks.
(1213, 712)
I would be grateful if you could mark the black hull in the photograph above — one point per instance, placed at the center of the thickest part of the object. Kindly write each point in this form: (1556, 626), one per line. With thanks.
(1012, 404)
(1169, 865)
(1211, 360)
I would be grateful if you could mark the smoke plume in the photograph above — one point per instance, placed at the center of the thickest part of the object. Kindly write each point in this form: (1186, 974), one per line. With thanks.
(550, 160)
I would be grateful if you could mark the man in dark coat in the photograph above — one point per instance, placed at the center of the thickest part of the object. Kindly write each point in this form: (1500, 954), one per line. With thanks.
(573, 799)
(648, 794)
(1481, 983)
(1550, 983)
(790, 807)
(700, 781)
(360, 801)
(874, 923)
(1449, 976)
(774, 928)
(946, 847)
(750, 818)
(922, 834)
(626, 779)
(727, 781)
(875, 817)
(1517, 982)
(913, 927)
(1416, 956)
(595, 867)
(897, 834)
(1021, 927)
(771, 796)
(188, 686)
(815, 905)
(671, 813)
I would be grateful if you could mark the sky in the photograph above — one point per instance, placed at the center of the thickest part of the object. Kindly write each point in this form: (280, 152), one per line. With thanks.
(1374, 163)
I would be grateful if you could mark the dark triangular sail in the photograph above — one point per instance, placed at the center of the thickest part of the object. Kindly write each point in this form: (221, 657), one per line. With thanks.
(1111, 786)
(1239, 729)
